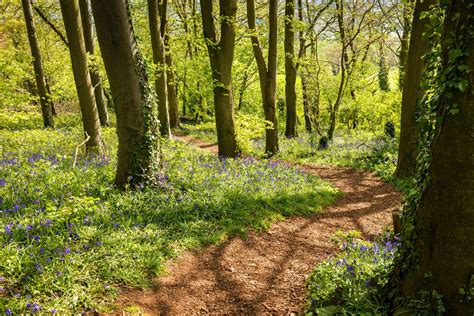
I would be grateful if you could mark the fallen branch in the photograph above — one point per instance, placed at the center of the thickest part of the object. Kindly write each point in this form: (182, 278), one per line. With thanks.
(77, 148)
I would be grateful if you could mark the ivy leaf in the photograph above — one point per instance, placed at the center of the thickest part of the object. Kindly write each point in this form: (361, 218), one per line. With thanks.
(461, 85)
(454, 53)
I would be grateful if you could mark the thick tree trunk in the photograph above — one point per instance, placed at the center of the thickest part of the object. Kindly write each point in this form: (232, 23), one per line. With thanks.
(403, 55)
(221, 55)
(137, 117)
(445, 216)
(290, 70)
(172, 88)
(85, 90)
(408, 147)
(267, 75)
(37, 65)
(158, 48)
(87, 27)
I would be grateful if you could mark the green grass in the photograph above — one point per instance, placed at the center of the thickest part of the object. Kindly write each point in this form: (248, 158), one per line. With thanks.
(70, 239)
(360, 149)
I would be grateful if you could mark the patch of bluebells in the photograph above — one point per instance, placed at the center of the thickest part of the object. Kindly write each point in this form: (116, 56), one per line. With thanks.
(62, 226)
(356, 273)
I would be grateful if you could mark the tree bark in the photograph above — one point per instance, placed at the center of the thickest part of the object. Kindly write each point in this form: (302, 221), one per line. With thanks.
(304, 80)
(221, 55)
(403, 55)
(267, 75)
(408, 147)
(85, 90)
(173, 109)
(290, 70)
(87, 27)
(445, 215)
(383, 70)
(344, 66)
(158, 48)
(37, 65)
(135, 107)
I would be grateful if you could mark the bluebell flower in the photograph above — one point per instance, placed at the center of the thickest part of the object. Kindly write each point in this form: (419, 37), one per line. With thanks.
(36, 308)
(54, 311)
(3, 182)
(8, 312)
(8, 229)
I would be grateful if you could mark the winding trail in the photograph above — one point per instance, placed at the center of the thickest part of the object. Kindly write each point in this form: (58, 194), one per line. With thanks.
(266, 272)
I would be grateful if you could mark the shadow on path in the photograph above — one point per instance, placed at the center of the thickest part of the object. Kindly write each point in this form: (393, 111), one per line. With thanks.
(266, 272)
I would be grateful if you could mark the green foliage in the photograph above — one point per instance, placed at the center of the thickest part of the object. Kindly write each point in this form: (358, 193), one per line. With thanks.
(350, 283)
(69, 238)
(350, 148)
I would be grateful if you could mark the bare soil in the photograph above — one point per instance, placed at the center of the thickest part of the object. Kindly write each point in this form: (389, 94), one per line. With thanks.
(266, 272)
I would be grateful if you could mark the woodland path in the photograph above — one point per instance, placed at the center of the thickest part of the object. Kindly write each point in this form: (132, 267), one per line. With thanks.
(266, 272)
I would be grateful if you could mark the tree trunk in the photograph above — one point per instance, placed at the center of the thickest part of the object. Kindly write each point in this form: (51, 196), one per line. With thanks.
(290, 70)
(403, 55)
(221, 55)
(37, 65)
(82, 79)
(158, 48)
(306, 106)
(408, 147)
(344, 66)
(383, 70)
(170, 77)
(87, 27)
(267, 76)
(445, 215)
(137, 117)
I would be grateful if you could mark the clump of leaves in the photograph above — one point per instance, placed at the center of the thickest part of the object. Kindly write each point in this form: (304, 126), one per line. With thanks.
(350, 282)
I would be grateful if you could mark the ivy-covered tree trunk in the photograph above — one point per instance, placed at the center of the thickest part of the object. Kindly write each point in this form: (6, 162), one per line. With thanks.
(290, 70)
(158, 48)
(85, 90)
(221, 55)
(408, 147)
(267, 75)
(87, 27)
(46, 108)
(135, 107)
(444, 218)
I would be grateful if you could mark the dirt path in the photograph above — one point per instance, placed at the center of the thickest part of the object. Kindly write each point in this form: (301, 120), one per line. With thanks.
(266, 272)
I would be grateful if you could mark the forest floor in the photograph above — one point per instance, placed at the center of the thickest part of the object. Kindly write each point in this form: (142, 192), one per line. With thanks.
(266, 272)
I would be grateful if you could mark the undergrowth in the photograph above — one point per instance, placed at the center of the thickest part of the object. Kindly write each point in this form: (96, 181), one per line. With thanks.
(69, 239)
(361, 149)
(350, 283)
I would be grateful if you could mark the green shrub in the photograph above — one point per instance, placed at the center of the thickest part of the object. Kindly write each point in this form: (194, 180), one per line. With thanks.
(349, 283)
